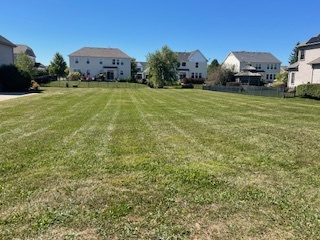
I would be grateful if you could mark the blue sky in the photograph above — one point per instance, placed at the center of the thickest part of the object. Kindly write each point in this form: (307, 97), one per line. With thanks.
(142, 27)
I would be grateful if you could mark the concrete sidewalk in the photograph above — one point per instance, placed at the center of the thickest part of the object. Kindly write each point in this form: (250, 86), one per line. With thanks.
(10, 95)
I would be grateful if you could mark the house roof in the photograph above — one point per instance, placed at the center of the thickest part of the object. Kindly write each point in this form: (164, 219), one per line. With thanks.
(5, 41)
(99, 52)
(255, 57)
(316, 61)
(24, 48)
(294, 65)
(248, 74)
(184, 56)
(312, 41)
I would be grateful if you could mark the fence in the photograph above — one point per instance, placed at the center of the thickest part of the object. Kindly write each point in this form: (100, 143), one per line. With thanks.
(252, 90)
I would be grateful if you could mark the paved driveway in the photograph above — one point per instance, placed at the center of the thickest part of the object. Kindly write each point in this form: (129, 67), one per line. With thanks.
(8, 95)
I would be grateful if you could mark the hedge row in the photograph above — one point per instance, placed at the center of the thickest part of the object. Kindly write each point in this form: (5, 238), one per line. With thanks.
(308, 91)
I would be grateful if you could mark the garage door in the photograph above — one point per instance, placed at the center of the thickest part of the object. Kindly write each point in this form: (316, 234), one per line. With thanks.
(316, 74)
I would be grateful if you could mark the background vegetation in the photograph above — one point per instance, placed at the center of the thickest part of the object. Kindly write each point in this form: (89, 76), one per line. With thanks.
(158, 164)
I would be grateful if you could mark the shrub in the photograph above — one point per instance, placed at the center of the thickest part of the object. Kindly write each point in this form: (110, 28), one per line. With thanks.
(193, 80)
(189, 85)
(233, 84)
(13, 79)
(308, 91)
(34, 85)
(74, 76)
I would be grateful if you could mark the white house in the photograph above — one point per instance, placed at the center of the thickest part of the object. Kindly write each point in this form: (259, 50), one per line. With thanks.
(141, 66)
(92, 61)
(265, 63)
(6, 51)
(307, 68)
(192, 65)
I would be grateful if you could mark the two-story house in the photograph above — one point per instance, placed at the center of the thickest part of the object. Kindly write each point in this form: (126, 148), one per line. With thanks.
(266, 64)
(90, 61)
(6, 51)
(192, 65)
(307, 68)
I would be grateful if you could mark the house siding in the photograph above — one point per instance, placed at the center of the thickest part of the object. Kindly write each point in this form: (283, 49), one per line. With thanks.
(196, 66)
(95, 67)
(306, 73)
(6, 55)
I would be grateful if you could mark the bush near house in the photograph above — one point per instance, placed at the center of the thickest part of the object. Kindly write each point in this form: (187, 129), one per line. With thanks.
(13, 79)
(74, 76)
(308, 91)
(193, 80)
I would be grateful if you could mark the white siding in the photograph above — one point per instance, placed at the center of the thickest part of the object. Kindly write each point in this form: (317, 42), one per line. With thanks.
(232, 62)
(316, 74)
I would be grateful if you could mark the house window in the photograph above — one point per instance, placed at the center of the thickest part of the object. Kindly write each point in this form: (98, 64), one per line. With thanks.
(88, 61)
(292, 78)
(196, 75)
(302, 55)
(118, 61)
(200, 75)
(113, 61)
(267, 77)
(77, 70)
(268, 66)
(259, 66)
(271, 66)
(88, 72)
(271, 76)
(192, 75)
(76, 60)
(197, 65)
(121, 72)
(183, 64)
(100, 61)
(121, 62)
(275, 66)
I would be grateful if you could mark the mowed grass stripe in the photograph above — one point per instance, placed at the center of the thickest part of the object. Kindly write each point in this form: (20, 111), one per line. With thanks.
(158, 164)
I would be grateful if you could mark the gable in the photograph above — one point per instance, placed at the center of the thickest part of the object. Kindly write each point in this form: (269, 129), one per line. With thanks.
(197, 56)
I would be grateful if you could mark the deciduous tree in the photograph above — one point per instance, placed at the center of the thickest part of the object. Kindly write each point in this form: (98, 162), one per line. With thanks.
(25, 64)
(163, 67)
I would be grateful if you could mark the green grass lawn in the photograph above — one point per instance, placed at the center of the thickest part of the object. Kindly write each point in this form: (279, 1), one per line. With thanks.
(127, 163)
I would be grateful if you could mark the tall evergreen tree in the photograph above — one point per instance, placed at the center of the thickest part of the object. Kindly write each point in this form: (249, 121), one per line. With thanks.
(58, 65)
(294, 54)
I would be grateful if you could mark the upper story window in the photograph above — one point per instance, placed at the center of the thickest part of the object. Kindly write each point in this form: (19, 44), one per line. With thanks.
(197, 65)
(268, 66)
(100, 61)
(113, 61)
(271, 66)
(88, 61)
(118, 61)
(302, 54)
(121, 62)
(183, 64)
(275, 66)
(76, 60)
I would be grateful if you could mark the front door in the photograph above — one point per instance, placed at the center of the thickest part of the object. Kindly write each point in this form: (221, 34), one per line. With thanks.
(110, 75)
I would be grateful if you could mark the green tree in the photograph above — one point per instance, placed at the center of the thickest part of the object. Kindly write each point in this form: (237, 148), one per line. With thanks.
(282, 78)
(163, 67)
(25, 64)
(220, 76)
(57, 65)
(134, 69)
(214, 64)
(294, 55)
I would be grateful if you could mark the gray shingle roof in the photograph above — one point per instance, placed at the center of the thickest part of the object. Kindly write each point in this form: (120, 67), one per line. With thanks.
(312, 41)
(99, 52)
(255, 57)
(184, 56)
(5, 41)
(24, 48)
